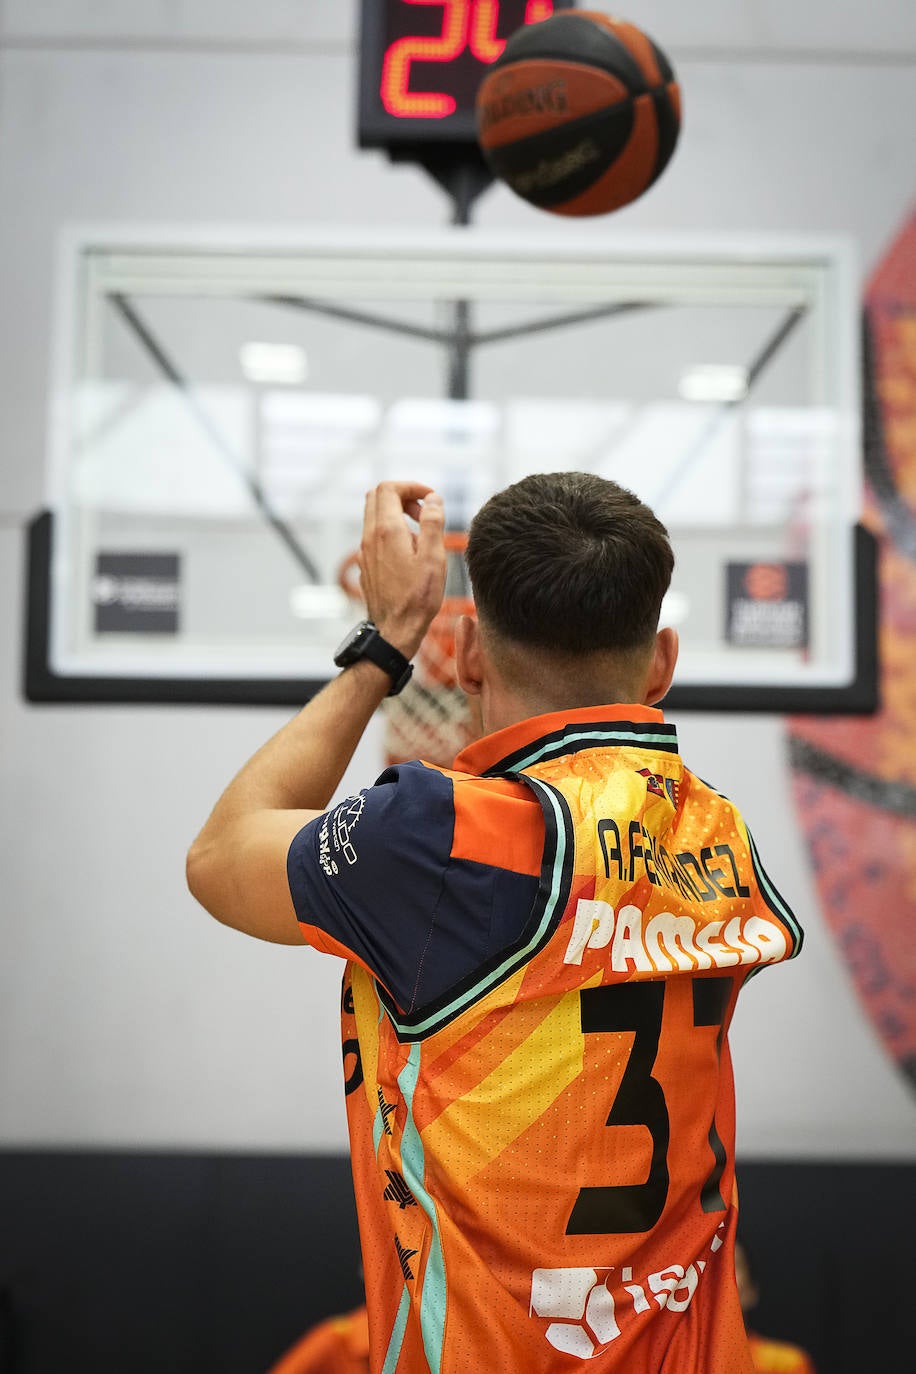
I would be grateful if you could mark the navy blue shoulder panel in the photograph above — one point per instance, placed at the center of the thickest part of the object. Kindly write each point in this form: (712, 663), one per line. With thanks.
(376, 874)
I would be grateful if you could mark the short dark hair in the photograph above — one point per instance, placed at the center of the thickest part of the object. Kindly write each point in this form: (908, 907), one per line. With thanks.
(569, 562)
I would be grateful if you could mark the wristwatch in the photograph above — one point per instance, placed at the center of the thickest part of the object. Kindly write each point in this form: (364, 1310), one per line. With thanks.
(364, 641)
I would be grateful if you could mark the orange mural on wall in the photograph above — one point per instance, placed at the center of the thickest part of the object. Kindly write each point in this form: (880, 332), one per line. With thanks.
(854, 777)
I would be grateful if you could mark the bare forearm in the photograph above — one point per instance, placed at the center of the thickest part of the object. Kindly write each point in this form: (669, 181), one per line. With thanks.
(302, 765)
(236, 867)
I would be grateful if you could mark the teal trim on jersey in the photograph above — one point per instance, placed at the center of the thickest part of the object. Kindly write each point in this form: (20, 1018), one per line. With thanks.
(545, 792)
(432, 1303)
(612, 737)
(393, 1353)
(378, 1121)
(774, 901)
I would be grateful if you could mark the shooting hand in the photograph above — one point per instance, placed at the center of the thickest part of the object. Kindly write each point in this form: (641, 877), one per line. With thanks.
(402, 573)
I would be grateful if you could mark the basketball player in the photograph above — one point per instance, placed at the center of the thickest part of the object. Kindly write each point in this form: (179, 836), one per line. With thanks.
(544, 946)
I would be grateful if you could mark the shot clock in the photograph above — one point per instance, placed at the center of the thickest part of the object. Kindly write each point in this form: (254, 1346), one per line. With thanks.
(421, 62)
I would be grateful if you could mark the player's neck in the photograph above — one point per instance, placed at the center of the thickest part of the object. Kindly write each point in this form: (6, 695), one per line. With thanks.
(512, 683)
(501, 708)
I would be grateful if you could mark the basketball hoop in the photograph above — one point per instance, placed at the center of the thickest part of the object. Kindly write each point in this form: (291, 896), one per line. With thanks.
(431, 719)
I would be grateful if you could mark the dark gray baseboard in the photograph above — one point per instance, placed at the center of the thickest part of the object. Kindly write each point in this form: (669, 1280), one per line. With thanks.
(213, 1264)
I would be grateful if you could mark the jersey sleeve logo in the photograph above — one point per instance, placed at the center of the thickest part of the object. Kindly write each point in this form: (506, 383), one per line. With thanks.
(335, 838)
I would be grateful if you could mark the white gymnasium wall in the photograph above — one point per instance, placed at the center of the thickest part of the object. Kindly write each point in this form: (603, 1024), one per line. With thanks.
(126, 1016)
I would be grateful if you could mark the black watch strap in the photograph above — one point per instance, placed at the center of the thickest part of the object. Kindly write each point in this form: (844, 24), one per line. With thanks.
(365, 642)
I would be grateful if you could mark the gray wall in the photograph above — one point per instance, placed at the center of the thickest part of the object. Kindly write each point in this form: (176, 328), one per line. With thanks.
(126, 1016)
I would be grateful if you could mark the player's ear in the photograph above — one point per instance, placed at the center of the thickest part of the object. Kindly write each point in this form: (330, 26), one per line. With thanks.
(662, 665)
(468, 663)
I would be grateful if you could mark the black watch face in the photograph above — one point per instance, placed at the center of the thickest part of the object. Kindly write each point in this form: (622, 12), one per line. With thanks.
(349, 649)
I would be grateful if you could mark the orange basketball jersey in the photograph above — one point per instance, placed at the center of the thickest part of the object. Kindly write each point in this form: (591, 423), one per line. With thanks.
(541, 1107)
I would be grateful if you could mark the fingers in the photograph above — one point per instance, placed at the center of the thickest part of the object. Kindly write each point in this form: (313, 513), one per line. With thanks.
(432, 527)
(389, 502)
(403, 572)
(369, 514)
(411, 491)
(392, 500)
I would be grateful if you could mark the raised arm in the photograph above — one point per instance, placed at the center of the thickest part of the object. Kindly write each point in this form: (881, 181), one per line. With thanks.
(236, 867)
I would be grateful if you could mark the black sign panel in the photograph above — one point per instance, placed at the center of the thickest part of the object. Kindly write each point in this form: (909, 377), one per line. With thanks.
(137, 593)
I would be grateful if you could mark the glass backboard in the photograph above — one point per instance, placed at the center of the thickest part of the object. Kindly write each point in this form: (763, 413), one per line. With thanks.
(221, 405)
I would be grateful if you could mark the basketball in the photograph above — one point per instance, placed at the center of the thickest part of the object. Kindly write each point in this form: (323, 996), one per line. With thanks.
(580, 114)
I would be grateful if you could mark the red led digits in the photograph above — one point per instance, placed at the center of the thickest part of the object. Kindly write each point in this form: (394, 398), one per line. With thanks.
(466, 25)
(484, 44)
(397, 98)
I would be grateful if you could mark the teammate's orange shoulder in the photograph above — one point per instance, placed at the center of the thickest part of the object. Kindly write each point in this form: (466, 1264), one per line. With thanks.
(339, 1345)
(778, 1357)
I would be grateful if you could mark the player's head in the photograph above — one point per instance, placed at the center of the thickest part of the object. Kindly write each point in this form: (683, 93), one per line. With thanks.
(568, 572)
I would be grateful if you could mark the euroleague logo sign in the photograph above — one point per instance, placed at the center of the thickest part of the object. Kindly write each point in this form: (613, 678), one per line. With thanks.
(766, 582)
(767, 605)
